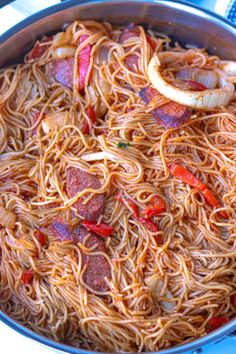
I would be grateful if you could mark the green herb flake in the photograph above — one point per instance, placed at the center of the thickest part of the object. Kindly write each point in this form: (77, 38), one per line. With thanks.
(122, 145)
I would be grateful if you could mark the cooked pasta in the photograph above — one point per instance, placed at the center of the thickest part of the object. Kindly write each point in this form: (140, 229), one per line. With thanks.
(117, 205)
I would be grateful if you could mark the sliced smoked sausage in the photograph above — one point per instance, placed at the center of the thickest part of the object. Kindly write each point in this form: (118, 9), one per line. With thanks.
(76, 181)
(97, 266)
(62, 70)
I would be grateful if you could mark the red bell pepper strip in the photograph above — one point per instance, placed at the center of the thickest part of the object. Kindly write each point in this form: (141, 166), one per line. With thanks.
(41, 237)
(27, 277)
(39, 49)
(150, 224)
(233, 300)
(195, 86)
(216, 322)
(214, 202)
(132, 206)
(83, 64)
(35, 118)
(92, 116)
(157, 208)
(151, 42)
(99, 229)
(187, 177)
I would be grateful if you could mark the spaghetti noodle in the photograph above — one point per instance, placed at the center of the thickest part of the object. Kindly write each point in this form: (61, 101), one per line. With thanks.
(154, 264)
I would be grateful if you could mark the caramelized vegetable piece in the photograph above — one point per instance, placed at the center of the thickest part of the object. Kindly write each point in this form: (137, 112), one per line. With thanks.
(150, 224)
(233, 300)
(151, 42)
(99, 229)
(92, 116)
(207, 78)
(187, 177)
(39, 49)
(194, 85)
(41, 237)
(83, 64)
(7, 218)
(216, 322)
(54, 121)
(132, 206)
(218, 97)
(157, 207)
(155, 284)
(214, 202)
(27, 277)
(171, 114)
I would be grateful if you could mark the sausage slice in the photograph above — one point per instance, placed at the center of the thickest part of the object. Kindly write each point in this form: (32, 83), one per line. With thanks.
(61, 70)
(97, 266)
(131, 31)
(171, 114)
(76, 181)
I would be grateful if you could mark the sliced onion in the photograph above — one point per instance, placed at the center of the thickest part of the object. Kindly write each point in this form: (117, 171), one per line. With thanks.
(59, 39)
(229, 67)
(103, 55)
(156, 285)
(101, 155)
(203, 99)
(62, 38)
(170, 57)
(66, 51)
(96, 102)
(54, 121)
(93, 94)
(104, 85)
(205, 77)
(7, 218)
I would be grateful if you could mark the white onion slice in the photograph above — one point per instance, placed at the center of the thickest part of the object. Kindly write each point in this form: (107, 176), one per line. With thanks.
(93, 95)
(168, 58)
(60, 39)
(103, 55)
(229, 67)
(207, 78)
(7, 218)
(95, 100)
(66, 51)
(54, 121)
(156, 285)
(101, 155)
(200, 99)
(104, 85)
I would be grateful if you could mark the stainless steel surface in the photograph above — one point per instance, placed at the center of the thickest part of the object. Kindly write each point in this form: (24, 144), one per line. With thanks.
(182, 22)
